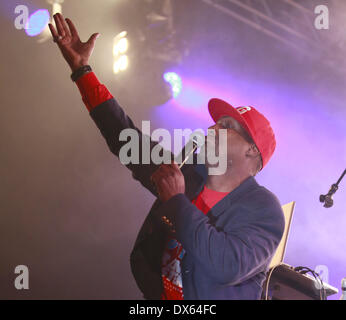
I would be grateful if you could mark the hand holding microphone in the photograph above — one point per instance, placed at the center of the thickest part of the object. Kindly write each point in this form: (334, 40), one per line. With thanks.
(168, 178)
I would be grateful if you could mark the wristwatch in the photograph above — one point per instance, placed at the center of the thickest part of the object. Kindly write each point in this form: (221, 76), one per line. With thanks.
(79, 72)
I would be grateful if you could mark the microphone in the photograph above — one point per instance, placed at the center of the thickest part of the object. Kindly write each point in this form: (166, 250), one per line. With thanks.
(327, 199)
(197, 141)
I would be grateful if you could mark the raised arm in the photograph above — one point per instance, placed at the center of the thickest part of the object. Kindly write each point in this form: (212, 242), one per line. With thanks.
(109, 117)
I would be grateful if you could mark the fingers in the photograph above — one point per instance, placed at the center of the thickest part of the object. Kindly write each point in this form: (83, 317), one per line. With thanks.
(64, 25)
(175, 166)
(165, 170)
(53, 31)
(92, 39)
(159, 180)
(170, 167)
(168, 181)
(157, 175)
(64, 28)
(56, 37)
(59, 25)
(72, 27)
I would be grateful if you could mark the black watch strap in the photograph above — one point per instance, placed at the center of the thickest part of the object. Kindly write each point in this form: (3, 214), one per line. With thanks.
(79, 72)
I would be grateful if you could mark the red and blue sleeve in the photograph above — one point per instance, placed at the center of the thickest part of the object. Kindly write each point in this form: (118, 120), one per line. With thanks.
(93, 92)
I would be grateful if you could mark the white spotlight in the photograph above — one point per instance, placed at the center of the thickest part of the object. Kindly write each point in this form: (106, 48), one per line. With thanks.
(120, 47)
(120, 64)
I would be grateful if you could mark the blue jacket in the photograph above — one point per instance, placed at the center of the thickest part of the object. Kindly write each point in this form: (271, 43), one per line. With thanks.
(227, 251)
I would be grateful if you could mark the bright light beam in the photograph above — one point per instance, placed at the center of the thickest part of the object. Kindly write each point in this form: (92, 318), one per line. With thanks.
(175, 82)
(120, 64)
(120, 47)
(37, 22)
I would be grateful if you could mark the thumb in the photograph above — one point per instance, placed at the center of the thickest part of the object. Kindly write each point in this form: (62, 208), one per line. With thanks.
(93, 38)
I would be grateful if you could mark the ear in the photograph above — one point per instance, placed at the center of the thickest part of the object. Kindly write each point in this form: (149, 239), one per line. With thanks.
(254, 156)
(252, 151)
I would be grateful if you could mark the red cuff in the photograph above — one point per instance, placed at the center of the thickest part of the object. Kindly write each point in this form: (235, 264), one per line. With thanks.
(92, 91)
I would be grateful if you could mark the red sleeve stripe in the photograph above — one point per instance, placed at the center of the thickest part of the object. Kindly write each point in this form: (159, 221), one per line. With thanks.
(92, 91)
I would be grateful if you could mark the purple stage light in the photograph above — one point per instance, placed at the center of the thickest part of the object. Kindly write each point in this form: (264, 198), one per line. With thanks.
(37, 22)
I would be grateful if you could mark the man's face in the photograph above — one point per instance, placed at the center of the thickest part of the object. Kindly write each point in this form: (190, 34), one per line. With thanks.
(238, 140)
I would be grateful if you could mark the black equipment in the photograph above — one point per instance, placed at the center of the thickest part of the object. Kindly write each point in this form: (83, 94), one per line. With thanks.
(287, 283)
(327, 199)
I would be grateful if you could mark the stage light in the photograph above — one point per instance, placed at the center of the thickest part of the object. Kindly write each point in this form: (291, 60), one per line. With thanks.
(37, 22)
(175, 82)
(120, 64)
(120, 46)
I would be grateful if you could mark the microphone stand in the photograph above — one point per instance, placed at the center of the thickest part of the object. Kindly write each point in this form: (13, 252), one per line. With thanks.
(327, 198)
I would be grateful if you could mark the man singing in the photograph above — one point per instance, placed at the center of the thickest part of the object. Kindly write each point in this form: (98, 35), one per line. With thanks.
(206, 236)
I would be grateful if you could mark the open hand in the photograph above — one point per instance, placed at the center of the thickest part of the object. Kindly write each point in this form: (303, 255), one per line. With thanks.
(75, 52)
(169, 181)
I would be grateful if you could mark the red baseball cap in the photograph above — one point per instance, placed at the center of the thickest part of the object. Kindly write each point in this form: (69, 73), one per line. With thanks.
(254, 122)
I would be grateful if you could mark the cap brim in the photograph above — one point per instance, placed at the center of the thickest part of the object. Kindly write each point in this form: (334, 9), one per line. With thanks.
(218, 108)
